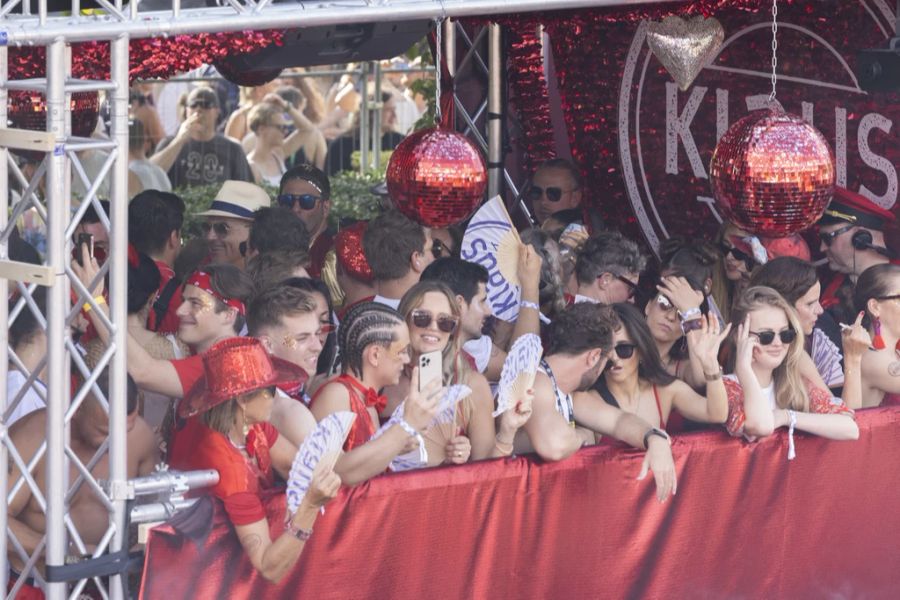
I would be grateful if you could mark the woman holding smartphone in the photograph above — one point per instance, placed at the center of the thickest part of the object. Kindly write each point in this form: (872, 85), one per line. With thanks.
(432, 314)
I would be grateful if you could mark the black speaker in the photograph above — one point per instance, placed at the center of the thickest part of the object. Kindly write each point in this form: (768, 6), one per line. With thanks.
(336, 44)
(878, 70)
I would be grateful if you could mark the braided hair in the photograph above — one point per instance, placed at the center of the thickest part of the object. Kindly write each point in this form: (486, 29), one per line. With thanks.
(365, 324)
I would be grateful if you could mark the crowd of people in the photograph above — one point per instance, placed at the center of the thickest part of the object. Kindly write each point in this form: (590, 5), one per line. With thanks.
(236, 350)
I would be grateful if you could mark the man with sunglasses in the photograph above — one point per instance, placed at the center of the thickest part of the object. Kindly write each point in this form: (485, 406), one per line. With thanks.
(851, 232)
(562, 420)
(306, 190)
(197, 154)
(555, 186)
(226, 224)
(607, 269)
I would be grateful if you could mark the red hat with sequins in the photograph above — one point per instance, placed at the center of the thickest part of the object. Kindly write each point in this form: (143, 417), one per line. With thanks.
(349, 252)
(238, 366)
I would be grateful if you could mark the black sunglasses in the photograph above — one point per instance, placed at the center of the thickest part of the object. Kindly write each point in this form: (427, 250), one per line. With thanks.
(664, 303)
(423, 318)
(740, 255)
(829, 237)
(554, 194)
(307, 201)
(205, 104)
(767, 337)
(624, 351)
(891, 297)
(438, 248)
(220, 228)
(632, 286)
(285, 129)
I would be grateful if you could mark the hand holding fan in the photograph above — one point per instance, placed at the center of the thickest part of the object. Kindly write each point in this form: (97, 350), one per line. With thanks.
(415, 458)
(320, 449)
(519, 370)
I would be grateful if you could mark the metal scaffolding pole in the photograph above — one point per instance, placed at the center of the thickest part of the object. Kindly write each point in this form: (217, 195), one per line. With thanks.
(449, 52)
(375, 121)
(495, 110)
(364, 118)
(58, 301)
(118, 283)
(246, 16)
(4, 318)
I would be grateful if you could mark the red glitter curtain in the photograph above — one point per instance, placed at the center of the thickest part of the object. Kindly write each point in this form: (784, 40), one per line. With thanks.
(746, 523)
(609, 82)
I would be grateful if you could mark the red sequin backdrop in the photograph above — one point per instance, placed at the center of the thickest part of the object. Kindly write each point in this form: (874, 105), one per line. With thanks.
(644, 147)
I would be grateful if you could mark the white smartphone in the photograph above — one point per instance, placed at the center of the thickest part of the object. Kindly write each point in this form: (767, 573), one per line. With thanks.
(430, 368)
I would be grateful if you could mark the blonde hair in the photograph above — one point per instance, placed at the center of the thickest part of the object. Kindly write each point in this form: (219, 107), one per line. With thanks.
(790, 389)
(221, 417)
(261, 114)
(456, 369)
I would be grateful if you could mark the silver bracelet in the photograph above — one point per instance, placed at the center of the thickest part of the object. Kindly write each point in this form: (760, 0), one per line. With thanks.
(792, 452)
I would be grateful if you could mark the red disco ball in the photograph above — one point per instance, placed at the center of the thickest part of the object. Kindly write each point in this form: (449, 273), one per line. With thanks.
(772, 174)
(233, 69)
(28, 110)
(436, 177)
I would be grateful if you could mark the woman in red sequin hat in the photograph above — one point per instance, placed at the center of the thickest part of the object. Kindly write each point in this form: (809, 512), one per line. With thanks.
(227, 428)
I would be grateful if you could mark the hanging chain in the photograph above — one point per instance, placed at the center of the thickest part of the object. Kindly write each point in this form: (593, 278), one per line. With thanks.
(774, 48)
(438, 70)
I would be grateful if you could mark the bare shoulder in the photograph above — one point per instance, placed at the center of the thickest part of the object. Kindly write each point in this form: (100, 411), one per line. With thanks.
(329, 398)
(29, 432)
(141, 438)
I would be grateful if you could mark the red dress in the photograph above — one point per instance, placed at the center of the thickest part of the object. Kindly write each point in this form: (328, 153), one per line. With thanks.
(241, 479)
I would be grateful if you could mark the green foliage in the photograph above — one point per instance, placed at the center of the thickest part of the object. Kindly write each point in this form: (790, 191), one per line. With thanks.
(352, 197)
(428, 89)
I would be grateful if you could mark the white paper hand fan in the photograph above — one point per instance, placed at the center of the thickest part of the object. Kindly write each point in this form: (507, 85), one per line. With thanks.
(321, 447)
(519, 370)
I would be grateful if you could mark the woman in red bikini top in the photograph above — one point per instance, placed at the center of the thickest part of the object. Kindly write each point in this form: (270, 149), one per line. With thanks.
(636, 381)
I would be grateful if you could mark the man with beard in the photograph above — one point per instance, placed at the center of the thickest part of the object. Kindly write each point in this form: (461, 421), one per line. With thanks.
(581, 338)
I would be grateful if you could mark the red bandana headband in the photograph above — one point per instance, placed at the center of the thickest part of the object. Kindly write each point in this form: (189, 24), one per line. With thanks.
(202, 280)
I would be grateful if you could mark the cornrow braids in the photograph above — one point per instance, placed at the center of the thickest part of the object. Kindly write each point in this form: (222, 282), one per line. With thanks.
(365, 324)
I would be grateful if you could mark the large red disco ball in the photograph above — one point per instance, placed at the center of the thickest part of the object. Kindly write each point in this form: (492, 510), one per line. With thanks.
(28, 110)
(436, 177)
(772, 174)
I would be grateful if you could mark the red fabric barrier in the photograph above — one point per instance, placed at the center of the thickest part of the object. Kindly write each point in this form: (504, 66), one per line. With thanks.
(745, 523)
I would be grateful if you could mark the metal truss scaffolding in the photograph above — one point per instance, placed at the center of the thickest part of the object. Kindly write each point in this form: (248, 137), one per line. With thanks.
(46, 195)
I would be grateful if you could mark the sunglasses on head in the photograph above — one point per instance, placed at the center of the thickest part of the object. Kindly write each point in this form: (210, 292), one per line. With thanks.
(221, 229)
(204, 104)
(423, 318)
(624, 351)
(829, 237)
(554, 194)
(307, 201)
(767, 337)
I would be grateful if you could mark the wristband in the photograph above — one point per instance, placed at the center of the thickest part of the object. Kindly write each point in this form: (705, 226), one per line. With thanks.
(714, 376)
(298, 532)
(405, 426)
(86, 307)
(658, 432)
(691, 325)
(690, 314)
(527, 304)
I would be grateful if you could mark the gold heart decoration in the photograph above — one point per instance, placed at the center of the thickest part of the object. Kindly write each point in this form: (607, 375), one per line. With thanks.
(685, 47)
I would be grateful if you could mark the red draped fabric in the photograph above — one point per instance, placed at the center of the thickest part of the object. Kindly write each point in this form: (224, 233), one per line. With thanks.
(745, 523)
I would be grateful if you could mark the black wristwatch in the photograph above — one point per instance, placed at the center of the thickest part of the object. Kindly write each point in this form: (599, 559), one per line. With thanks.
(655, 431)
